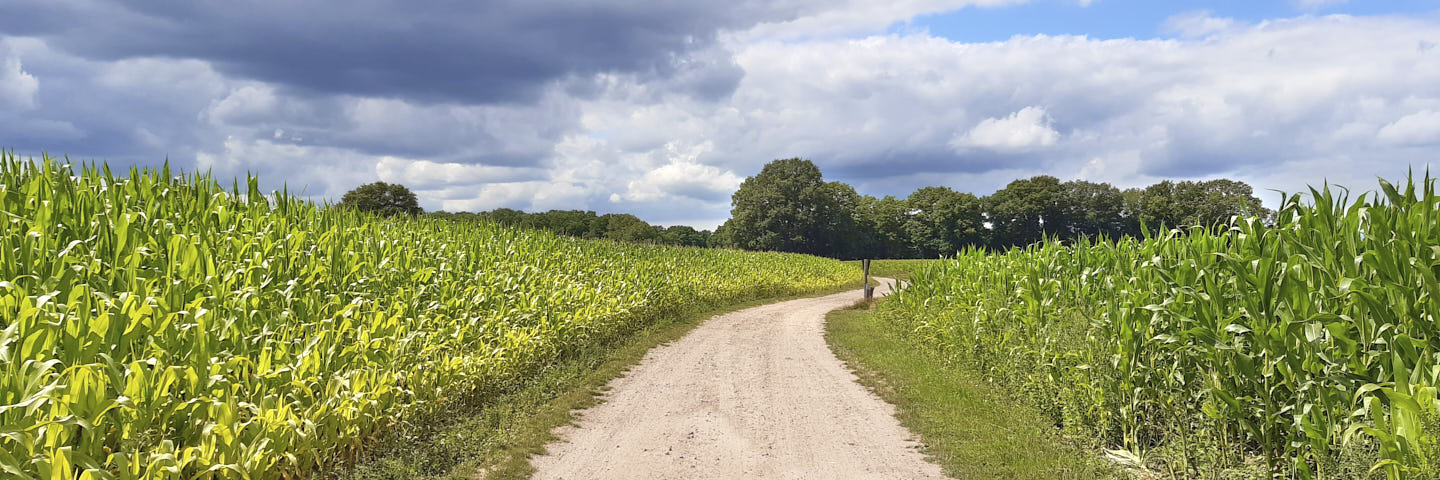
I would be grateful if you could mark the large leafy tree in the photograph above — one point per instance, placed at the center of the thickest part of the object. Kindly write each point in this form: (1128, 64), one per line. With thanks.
(575, 223)
(383, 198)
(1222, 198)
(505, 216)
(684, 235)
(788, 207)
(848, 236)
(1025, 211)
(1159, 205)
(1093, 209)
(942, 221)
(1209, 203)
(628, 228)
(884, 219)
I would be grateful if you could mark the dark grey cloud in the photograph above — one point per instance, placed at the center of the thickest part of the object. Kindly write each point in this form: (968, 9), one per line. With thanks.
(919, 161)
(289, 88)
(124, 112)
(449, 51)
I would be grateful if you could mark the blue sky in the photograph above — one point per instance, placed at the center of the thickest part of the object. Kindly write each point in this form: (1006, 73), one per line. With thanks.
(1110, 19)
(661, 109)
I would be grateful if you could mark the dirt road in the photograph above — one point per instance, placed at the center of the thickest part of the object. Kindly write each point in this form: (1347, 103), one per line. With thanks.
(754, 394)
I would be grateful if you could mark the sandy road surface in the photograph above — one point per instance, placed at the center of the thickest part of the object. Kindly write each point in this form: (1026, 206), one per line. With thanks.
(754, 394)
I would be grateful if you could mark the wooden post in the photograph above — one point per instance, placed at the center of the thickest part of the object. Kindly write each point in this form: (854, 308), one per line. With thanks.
(869, 290)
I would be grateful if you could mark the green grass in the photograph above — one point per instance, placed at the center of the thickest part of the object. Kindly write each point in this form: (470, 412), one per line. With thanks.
(966, 425)
(496, 442)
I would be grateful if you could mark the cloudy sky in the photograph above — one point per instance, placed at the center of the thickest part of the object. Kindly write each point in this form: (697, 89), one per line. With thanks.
(662, 108)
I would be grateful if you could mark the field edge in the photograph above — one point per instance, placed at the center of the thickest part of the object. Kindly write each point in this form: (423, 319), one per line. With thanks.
(497, 442)
(963, 424)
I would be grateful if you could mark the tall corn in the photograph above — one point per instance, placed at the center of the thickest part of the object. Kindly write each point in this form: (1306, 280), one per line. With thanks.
(1293, 346)
(161, 326)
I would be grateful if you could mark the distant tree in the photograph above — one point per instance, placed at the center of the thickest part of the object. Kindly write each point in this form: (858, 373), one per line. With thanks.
(883, 220)
(942, 221)
(788, 207)
(970, 230)
(1183, 204)
(1221, 199)
(847, 236)
(683, 235)
(1133, 198)
(1158, 205)
(586, 224)
(575, 223)
(628, 228)
(1092, 209)
(1025, 210)
(721, 238)
(386, 199)
(506, 216)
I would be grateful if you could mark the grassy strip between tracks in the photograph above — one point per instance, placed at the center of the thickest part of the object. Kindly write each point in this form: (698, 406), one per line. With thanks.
(965, 424)
(496, 442)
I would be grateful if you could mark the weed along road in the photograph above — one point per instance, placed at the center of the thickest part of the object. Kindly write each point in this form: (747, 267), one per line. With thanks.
(751, 394)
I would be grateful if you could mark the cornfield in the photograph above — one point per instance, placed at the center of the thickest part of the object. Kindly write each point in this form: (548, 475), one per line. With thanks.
(159, 326)
(1305, 347)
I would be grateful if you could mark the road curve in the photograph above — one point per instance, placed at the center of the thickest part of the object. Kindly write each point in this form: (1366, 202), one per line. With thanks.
(753, 394)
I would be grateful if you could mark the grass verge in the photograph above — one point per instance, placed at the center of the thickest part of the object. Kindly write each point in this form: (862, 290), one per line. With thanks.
(496, 441)
(966, 425)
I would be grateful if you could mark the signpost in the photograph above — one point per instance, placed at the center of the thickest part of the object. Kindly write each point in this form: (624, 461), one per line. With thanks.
(869, 290)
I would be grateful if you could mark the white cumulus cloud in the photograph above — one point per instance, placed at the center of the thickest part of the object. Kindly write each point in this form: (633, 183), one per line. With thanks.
(1026, 130)
(1419, 128)
(676, 180)
(17, 87)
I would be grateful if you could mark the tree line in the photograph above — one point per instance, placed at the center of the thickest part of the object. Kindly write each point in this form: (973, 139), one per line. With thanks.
(587, 224)
(389, 199)
(789, 207)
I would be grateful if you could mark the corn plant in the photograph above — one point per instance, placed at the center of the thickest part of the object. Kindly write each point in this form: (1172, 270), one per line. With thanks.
(155, 325)
(1292, 344)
